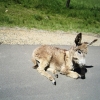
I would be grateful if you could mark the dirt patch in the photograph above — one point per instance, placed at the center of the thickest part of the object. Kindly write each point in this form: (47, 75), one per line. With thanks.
(34, 36)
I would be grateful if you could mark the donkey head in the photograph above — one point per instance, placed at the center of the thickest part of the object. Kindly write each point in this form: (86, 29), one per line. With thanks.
(80, 52)
(82, 46)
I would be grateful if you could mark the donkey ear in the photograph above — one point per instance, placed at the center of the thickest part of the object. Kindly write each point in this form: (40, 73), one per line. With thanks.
(92, 42)
(78, 39)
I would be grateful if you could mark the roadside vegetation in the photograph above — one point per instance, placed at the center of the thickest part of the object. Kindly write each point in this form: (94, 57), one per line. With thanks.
(81, 16)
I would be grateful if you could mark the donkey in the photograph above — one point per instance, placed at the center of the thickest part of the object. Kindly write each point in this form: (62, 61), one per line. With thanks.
(53, 59)
(82, 51)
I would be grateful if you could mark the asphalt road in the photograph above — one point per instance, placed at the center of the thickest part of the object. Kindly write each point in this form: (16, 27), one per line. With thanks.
(18, 81)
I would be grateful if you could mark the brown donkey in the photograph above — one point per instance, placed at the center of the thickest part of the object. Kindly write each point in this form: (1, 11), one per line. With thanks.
(53, 59)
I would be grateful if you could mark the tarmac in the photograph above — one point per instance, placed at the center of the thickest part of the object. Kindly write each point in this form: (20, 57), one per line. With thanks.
(19, 81)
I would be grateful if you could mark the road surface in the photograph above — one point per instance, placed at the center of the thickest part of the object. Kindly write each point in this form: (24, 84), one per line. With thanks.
(18, 81)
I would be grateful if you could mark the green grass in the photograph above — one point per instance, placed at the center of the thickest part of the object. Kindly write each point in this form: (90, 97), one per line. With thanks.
(82, 16)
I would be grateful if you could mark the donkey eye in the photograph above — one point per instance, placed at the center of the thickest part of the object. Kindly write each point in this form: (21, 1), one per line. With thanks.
(79, 51)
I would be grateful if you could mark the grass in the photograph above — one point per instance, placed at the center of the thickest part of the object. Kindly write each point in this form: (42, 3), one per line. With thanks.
(82, 16)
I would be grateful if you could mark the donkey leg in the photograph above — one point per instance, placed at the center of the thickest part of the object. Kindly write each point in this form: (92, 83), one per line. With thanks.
(69, 73)
(53, 71)
(41, 70)
(35, 63)
(72, 74)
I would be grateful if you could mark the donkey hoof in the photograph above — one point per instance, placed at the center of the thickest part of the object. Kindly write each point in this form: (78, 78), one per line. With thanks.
(56, 75)
(54, 82)
(79, 76)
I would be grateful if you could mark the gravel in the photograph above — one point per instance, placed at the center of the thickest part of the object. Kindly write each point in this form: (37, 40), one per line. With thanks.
(23, 36)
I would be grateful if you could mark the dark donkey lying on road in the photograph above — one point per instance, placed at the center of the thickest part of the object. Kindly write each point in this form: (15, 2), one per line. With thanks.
(53, 59)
